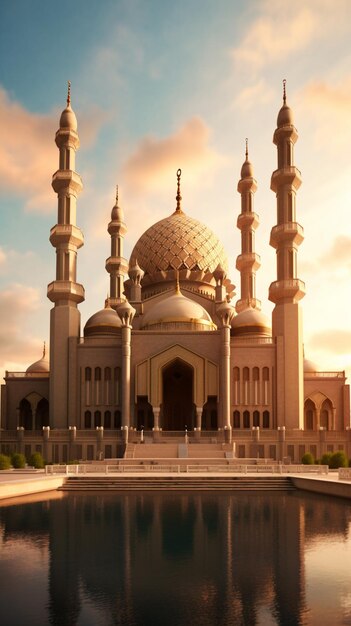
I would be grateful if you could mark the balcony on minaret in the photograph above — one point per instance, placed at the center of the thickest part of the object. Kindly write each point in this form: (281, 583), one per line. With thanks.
(248, 261)
(117, 264)
(245, 303)
(67, 179)
(248, 220)
(288, 231)
(289, 290)
(66, 233)
(288, 175)
(61, 290)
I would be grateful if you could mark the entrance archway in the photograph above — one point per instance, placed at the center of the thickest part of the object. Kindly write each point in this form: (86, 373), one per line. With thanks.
(178, 405)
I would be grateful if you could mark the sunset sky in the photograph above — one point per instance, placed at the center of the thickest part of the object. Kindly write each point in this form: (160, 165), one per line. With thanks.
(158, 85)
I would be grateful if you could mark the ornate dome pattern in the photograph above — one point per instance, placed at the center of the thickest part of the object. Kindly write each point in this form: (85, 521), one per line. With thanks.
(179, 242)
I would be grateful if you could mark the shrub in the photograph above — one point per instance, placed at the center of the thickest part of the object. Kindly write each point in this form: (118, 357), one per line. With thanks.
(36, 460)
(5, 462)
(18, 460)
(325, 458)
(307, 459)
(338, 459)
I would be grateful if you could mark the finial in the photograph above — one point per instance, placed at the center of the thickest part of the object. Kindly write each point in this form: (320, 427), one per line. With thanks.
(177, 281)
(246, 148)
(68, 93)
(284, 91)
(178, 197)
(44, 349)
(116, 195)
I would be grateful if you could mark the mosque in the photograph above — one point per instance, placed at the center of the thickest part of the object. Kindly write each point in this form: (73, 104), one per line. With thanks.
(173, 351)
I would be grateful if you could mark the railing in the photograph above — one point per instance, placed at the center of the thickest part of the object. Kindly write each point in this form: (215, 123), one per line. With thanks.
(257, 340)
(27, 374)
(340, 374)
(345, 473)
(84, 469)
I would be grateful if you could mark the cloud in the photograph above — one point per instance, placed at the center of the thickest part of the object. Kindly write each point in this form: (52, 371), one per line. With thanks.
(3, 258)
(250, 96)
(335, 260)
(155, 160)
(274, 35)
(28, 154)
(335, 341)
(329, 103)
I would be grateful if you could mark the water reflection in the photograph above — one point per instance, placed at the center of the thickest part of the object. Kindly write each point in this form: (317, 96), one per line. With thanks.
(141, 559)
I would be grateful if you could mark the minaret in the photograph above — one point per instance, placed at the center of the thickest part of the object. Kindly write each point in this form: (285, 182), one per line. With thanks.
(287, 290)
(116, 264)
(248, 262)
(64, 291)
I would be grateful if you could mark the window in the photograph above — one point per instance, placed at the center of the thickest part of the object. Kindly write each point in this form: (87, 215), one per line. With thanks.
(87, 419)
(98, 373)
(246, 417)
(87, 374)
(265, 421)
(256, 418)
(117, 419)
(97, 418)
(107, 419)
(236, 419)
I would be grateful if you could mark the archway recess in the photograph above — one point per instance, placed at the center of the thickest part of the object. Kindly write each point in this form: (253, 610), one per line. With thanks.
(178, 394)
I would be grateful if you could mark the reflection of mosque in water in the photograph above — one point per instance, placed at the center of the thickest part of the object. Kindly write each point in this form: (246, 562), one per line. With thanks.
(125, 556)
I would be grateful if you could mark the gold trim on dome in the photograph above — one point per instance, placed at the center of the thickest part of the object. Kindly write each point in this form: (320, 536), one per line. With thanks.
(182, 320)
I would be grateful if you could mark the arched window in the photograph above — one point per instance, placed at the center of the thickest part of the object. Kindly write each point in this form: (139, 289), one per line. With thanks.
(246, 416)
(87, 374)
(265, 376)
(256, 385)
(117, 419)
(97, 418)
(326, 415)
(25, 415)
(256, 418)
(310, 413)
(107, 386)
(246, 379)
(236, 382)
(98, 373)
(236, 419)
(116, 384)
(107, 419)
(265, 421)
(87, 419)
(42, 414)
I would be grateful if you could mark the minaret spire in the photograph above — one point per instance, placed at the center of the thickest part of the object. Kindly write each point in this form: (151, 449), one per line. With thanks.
(64, 291)
(116, 264)
(178, 196)
(248, 262)
(288, 289)
(68, 93)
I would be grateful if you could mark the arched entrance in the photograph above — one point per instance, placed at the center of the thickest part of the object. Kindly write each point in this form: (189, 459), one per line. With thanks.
(178, 404)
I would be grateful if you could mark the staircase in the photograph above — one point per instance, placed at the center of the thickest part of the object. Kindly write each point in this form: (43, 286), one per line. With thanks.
(177, 483)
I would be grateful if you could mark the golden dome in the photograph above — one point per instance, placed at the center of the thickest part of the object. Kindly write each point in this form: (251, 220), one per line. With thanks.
(104, 322)
(179, 242)
(251, 322)
(177, 312)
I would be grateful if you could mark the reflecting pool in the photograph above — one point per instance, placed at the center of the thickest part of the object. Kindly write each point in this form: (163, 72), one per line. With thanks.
(174, 559)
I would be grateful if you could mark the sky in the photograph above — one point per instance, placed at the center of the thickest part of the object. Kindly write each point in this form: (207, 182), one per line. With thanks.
(157, 86)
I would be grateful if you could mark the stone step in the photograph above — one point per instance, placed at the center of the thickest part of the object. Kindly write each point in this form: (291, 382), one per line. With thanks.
(176, 483)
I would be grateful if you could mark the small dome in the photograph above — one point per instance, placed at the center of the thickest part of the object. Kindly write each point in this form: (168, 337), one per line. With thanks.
(309, 366)
(285, 117)
(251, 322)
(104, 322)
(247, 170)
(41, 366)
(177, 311)
(68, 118)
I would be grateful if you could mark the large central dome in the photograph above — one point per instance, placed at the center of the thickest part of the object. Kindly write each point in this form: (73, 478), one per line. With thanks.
(179, 242)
